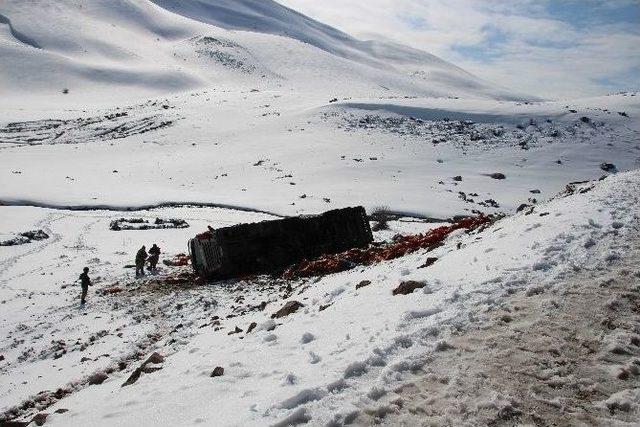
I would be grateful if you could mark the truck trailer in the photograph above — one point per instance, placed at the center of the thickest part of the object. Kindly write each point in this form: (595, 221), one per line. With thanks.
(271, 246)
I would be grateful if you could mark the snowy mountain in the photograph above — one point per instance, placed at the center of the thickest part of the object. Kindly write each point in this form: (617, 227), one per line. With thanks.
(93, 48)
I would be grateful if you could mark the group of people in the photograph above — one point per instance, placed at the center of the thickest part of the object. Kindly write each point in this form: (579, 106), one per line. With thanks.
(142, 257)
(152, 257)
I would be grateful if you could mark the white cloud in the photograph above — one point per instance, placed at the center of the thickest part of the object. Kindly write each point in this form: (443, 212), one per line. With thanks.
(516, 43)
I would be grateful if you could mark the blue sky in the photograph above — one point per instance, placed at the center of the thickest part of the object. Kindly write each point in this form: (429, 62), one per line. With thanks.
(551, 48)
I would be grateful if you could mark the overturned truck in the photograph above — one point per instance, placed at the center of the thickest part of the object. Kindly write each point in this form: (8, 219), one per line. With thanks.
(270, 246)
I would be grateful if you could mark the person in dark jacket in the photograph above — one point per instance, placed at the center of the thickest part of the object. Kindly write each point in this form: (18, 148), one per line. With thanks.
(85, 282)
(141, 257)
(154, 257)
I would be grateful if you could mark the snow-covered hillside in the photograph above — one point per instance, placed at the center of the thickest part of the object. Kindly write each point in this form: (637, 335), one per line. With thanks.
(353, 351)
(120, 49)
(171, 116)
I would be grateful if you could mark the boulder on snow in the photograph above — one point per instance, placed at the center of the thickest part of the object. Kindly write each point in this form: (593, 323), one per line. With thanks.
(363, 284)
(14, 423)
(287, 309)
(408, 287)
(429, 262)
(457, 178)
(35, 235)
(40, 418)
(217, 372)
(25, 237)
(237, 330)
(608, 167)
(135, 375)
(252, 326)
(149, 368)
(98, 378)
(154, 358)
(498, 175)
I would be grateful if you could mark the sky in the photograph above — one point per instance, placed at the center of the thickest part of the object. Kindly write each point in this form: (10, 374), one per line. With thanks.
(556, 49)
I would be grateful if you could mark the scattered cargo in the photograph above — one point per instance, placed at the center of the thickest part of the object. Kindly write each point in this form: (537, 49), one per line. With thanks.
(334, 263)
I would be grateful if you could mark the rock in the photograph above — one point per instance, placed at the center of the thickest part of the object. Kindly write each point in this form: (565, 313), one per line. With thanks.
(442, 345)
(217, 372)
(535, 191)
(429, 262)
(289, 308)
(237, 330)
(154, 358)
(408, 287)
(324, 307)
(85, 359)
(98, 378)
(457, 178)
(135, 375)
(40, 418)
(61, 392)
(35, 235)
(307, 337)
(585, 119)
(1, 357)
(14, 423)
(363, 284)
(252, 326)
(522, 207)
(498, 175)
(608, 167)
(149, 368)
(60, 411)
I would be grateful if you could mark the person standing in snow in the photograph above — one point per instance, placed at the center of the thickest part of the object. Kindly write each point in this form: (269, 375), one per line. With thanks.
(141, 257)
(85, 282)
(154, 257)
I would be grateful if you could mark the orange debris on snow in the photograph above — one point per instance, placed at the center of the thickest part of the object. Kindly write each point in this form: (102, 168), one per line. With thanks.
(327, 264)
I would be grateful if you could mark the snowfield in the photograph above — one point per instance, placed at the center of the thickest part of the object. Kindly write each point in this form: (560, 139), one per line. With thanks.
(346, 354)
(216, 112)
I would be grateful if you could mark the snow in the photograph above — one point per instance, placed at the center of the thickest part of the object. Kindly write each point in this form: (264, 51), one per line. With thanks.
(366, 339)
(143, 49)
(224, 112)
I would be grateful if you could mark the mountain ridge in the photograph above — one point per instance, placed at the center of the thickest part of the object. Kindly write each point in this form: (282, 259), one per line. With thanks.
(91, 48)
